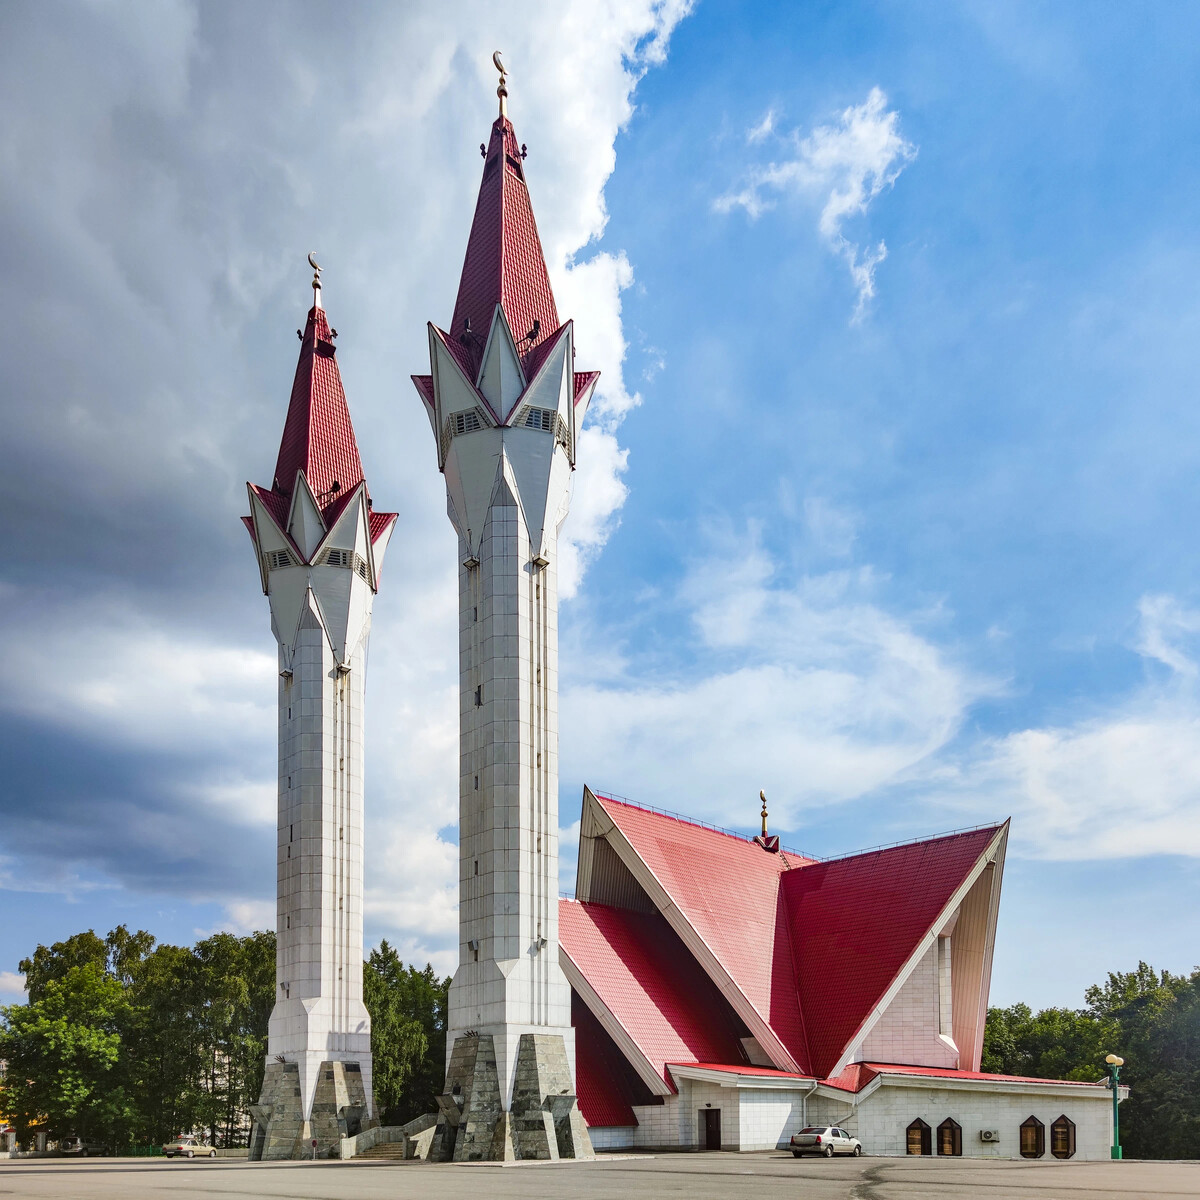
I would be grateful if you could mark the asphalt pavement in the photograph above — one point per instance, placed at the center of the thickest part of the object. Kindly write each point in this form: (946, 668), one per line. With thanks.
(692, 1176)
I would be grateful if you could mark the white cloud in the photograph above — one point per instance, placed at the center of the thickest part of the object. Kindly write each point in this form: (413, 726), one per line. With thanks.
(12, 988)
(763, 129)
(845, 166)
(136, 626)
(1123, 782)
(243, 917)
(819, 695)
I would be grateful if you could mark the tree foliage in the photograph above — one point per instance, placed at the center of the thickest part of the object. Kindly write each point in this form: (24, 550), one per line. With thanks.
(1151, 1019)
(408, 1034)
(130, 1042)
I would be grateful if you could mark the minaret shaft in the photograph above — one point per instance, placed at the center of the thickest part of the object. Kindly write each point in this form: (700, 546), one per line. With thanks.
(320, 546)
(508, 981)
(319, 1013)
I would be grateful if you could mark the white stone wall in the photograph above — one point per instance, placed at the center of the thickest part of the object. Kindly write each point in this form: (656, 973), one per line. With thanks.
(612, 1137)
(768, 1118)
(910, 1029)
(509, 982)
(319, 1012)
(884, 1116)
(764, 1119)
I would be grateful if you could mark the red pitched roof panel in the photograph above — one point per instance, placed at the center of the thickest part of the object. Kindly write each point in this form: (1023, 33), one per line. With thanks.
(854, 922)
(607, 1086)
(646, 978)
(727, 888)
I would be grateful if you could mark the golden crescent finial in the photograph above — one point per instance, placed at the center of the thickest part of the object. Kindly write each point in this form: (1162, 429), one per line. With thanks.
(502, 90)
(316, 282)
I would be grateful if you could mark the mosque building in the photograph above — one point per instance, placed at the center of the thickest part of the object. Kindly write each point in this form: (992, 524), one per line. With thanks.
(703, 990)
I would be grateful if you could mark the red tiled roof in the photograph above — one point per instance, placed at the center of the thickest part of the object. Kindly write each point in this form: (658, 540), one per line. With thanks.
(318, 438)
(856, 1076)
(584, 380)
(855, 921)
(504, 263)
(606, 1084)
(424, 385)
(378, 522)
(646, 978)
(727, 889)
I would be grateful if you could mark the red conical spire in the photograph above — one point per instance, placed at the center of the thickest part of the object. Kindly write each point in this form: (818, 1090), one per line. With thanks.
(318, 437)
(504, 263)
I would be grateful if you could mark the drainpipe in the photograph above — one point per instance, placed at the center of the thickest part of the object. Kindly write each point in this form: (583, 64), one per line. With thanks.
(804, 1104)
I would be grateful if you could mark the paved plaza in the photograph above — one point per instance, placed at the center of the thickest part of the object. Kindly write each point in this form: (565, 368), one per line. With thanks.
(724, 1176)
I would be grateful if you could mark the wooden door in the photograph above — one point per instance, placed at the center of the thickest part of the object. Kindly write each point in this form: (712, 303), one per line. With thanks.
(710, 1123)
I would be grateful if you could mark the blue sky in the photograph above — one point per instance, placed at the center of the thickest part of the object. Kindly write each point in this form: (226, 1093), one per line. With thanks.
(888, 501)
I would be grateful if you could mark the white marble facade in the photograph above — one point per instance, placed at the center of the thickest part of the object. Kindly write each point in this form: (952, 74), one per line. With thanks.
(508, 491)
(758, 1116)
(321, 616)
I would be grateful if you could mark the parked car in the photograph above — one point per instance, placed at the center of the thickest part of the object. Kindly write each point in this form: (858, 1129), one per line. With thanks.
(188, 1146)
(81, 1147)
(824, 1139)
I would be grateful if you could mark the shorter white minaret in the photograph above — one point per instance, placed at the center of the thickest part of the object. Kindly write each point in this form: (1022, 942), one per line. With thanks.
(320, 546)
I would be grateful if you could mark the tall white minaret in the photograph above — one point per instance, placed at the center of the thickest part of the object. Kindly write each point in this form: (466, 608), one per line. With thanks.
(320, 546)
(506, 404)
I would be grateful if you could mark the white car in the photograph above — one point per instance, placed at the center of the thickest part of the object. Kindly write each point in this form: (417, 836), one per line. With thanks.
(187, 1146)
(824, 1139)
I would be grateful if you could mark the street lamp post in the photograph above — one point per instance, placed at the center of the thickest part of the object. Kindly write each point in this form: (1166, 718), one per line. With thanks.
(1115, 1063)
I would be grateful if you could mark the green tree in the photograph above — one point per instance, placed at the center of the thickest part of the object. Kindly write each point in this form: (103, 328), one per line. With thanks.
(117, 955)
(164, 1045)
(408, 1034)
(1056, 1043)
(63, 1056)
(1155, 1017)
(1152, 1019)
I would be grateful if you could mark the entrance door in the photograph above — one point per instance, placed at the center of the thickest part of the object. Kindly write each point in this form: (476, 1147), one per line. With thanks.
(710, 1124)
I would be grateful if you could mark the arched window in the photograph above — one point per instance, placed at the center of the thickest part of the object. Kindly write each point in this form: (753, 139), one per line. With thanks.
(950, 1137)
(1062, 1138)
(1033, 1138)
(919, 1138)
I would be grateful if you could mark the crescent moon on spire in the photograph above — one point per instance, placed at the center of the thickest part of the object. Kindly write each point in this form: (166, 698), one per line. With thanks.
(312, 262)
(499, 64)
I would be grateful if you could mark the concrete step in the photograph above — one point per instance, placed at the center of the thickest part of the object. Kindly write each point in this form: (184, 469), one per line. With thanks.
(384, 1150)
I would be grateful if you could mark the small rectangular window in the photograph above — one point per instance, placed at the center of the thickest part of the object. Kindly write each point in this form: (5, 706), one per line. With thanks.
(479, 695)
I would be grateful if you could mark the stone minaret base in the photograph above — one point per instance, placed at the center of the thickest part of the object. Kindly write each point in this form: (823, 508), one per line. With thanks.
(339, 1110)
(544, 1120)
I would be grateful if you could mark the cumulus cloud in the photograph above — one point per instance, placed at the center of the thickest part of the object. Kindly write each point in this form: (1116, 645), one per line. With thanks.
(763, 129)
(12, 988)
(818, 692)
(1121, 782)
(844, 166)
(166, 167)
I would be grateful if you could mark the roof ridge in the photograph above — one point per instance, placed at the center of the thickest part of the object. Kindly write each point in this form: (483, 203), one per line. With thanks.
(913, 841)
(625, 802)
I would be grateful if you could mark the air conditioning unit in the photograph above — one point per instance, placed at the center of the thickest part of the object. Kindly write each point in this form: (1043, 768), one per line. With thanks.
(989, 1135)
